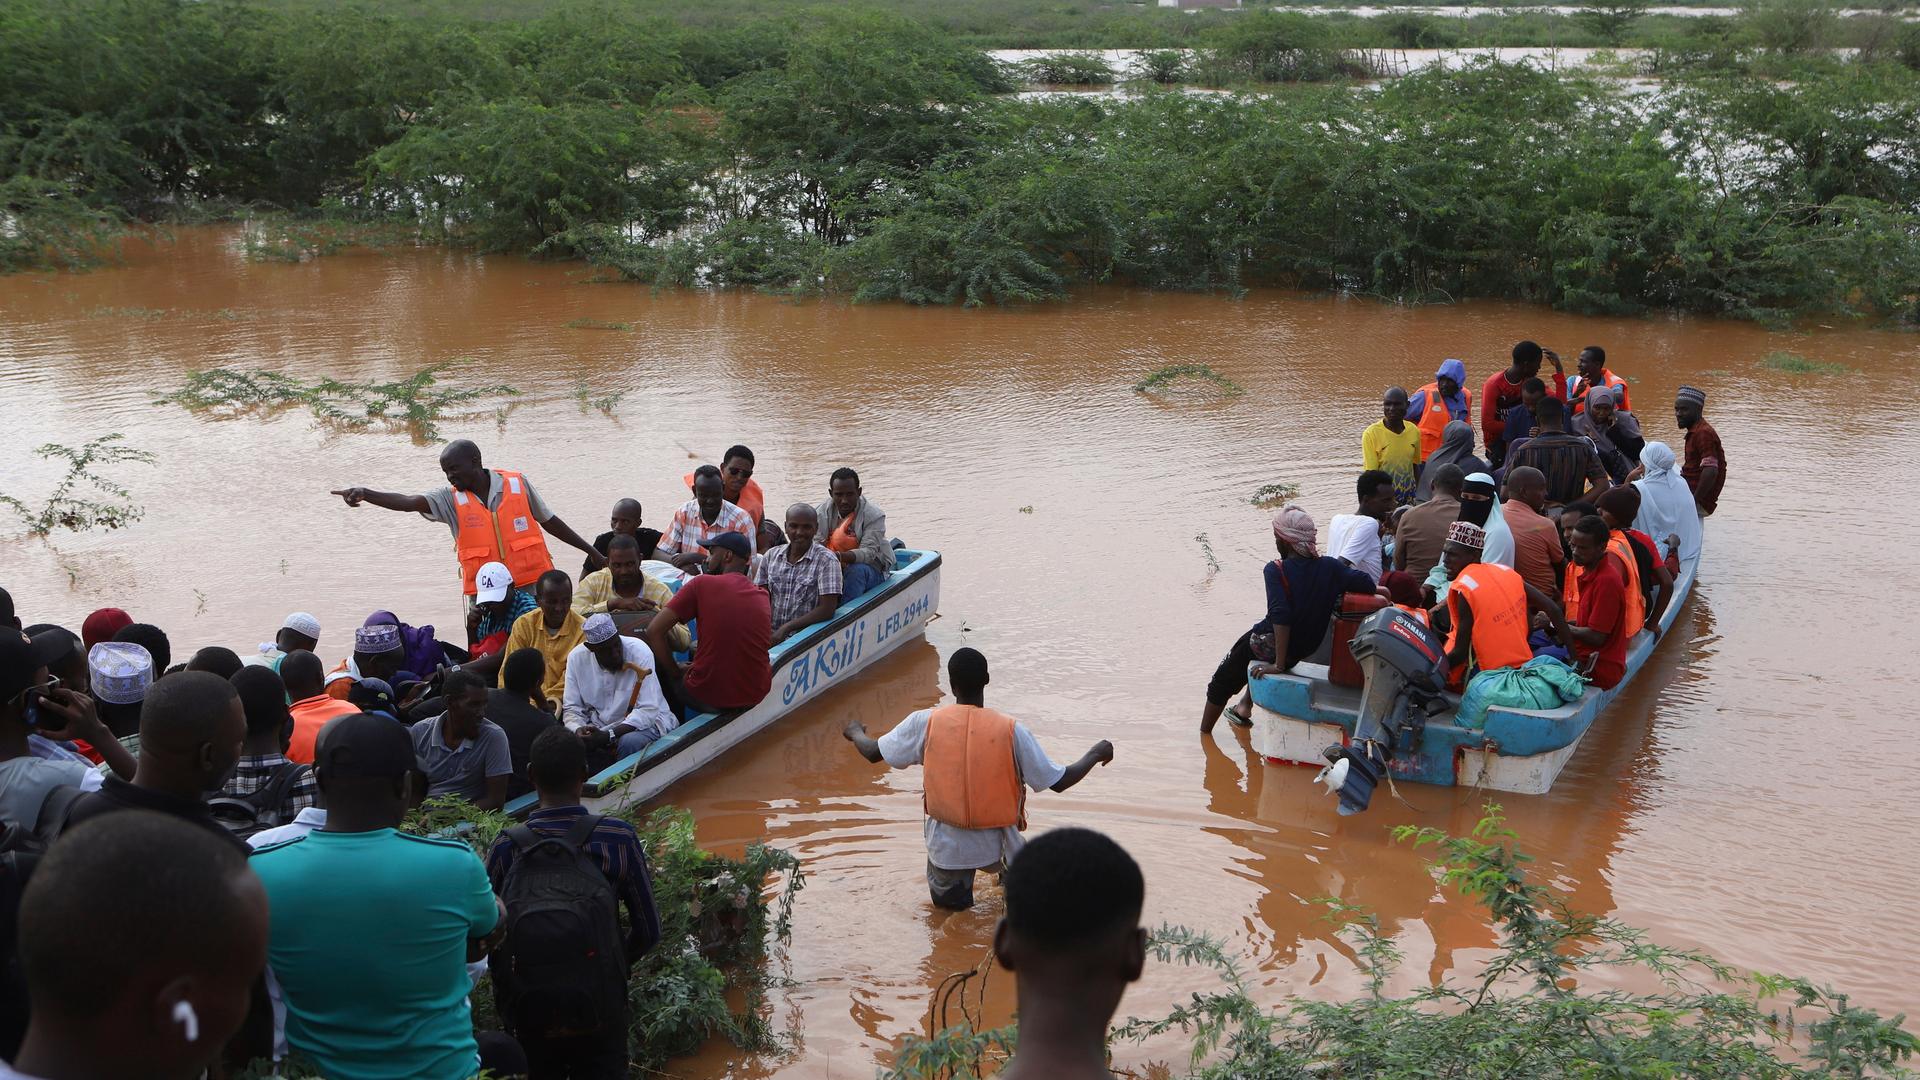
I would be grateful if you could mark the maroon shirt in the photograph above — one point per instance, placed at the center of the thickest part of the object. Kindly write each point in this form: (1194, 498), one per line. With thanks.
(1703, 450)
(731, 669)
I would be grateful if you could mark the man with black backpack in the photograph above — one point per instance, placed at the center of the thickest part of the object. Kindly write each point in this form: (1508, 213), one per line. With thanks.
(266, 790)
(561, 971)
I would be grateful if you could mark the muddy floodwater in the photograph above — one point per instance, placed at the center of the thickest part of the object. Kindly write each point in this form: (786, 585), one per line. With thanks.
(1752, 794)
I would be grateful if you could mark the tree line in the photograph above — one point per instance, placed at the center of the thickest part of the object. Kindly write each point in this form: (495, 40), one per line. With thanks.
(858, 151)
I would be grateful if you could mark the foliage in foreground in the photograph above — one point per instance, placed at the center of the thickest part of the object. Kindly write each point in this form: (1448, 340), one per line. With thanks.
(715, 921)
(416, 403)
(65, 507)
(1524, 1015)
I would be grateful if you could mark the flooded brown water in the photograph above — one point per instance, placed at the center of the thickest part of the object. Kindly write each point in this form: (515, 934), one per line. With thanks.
(1751, 795)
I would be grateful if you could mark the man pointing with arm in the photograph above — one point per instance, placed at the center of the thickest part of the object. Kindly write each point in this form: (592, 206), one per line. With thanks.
(495, 516)
(975, 762)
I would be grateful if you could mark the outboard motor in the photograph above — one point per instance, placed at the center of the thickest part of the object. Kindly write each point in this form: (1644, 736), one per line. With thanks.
(1405, 665)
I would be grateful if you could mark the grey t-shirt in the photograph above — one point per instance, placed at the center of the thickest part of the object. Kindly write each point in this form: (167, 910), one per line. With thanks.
(465, 769)
(440, 502)
(26, 781)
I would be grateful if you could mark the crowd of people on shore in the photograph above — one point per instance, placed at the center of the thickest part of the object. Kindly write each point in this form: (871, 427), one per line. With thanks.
(204, 858)
(1563, 541)
(282, 781)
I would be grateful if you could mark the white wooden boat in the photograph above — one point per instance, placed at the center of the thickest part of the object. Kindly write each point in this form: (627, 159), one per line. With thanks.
(811, 665)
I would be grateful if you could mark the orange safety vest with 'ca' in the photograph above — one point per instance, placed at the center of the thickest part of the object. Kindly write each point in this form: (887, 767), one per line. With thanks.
(1635, 607)
(507, 535)
(1434, 418)
(1498, 597)
(972, 781)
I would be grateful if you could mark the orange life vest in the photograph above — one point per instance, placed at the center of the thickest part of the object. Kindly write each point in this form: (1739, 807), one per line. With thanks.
(508, 535)
(1578, 393)
(1498, 597)
(842, 537)
(1414, 610)
(972, 781)
(1434, 418)
(1635, 607)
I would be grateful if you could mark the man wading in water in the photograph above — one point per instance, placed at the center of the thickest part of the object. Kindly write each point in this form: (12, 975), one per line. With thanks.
(975, 762)
(495, 515)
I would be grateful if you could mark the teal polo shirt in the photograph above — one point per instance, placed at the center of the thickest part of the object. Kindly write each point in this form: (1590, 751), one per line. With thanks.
(369, 942)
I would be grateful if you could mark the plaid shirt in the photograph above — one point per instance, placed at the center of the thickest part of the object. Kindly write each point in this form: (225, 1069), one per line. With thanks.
(252, 774)
(687, 531)
(796, 587)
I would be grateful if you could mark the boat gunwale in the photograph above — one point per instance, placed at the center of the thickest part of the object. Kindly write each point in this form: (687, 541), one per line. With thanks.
(919, 562)
(1566, 723)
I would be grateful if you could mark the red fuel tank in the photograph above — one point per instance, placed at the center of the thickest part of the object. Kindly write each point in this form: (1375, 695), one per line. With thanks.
(1342, 668)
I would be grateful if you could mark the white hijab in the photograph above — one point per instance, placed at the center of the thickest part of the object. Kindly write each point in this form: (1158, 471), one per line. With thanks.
(1666, 503)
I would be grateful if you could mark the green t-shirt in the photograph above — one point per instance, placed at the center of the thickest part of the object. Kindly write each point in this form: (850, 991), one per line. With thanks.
(369, 944)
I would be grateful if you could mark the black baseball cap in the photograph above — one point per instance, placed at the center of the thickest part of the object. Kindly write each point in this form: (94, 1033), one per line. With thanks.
(732, 541)
(21, 656)
(368, 745)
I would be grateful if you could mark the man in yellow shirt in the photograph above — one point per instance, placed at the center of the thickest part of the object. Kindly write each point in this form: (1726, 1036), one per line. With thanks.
(553, 628)
(1393, 446)
(625, 592)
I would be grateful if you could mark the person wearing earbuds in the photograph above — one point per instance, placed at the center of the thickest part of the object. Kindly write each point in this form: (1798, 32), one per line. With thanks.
(1073, 940)
(140, 937)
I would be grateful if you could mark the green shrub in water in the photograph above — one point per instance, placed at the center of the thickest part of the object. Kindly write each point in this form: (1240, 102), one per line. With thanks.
(1523, 1015)
(1171, 375)
(1795, 364)
(1068, 69)
(65, 508)
(416, 403)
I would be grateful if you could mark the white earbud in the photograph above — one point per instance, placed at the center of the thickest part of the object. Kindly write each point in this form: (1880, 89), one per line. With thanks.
(184, 1015)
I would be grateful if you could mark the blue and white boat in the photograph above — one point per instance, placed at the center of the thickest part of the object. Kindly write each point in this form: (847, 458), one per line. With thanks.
(1298, 715)
(810, 665)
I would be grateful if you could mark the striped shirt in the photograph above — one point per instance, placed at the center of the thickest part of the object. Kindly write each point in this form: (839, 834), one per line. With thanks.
(615, 848)
(688, 531)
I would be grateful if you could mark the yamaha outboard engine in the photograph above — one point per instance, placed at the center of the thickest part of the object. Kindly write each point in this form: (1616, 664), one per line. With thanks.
(1405, 665)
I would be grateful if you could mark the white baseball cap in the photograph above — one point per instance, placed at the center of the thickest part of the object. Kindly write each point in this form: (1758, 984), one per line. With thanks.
(491, 584)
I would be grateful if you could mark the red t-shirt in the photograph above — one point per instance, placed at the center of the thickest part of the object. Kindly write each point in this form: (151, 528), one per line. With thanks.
(1498, 395)
(1602, 606)
(731, 669)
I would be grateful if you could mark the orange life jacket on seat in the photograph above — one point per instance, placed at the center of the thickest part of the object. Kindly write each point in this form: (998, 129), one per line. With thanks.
(1498, 597)
(1577, 391)
(1435, 417)
(972, 781)
(508, 535)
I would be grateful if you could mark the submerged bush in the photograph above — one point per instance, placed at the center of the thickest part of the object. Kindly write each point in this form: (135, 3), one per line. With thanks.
(416, 403)
(1524, 1015)
(1068, 69)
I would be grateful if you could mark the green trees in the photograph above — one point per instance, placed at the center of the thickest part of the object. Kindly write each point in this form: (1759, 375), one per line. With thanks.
(858, 151)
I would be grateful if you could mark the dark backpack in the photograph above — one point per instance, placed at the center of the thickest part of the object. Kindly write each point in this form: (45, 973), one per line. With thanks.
(561, 970)
(244, 815)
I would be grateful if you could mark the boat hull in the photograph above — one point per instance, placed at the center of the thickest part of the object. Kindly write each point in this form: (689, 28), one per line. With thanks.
(1296, 716)
(806, 667)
